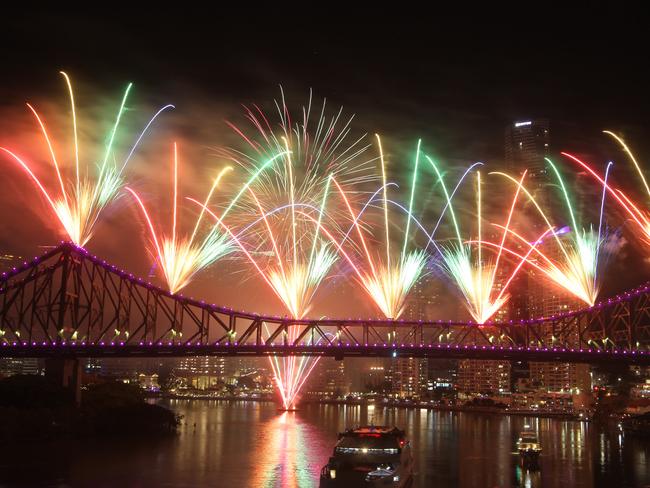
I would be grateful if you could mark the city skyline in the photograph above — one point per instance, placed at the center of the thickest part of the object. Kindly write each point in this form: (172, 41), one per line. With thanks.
(243, 249)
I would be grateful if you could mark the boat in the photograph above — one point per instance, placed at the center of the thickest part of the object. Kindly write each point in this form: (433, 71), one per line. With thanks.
(370, 456)
(529, 447)
(637, 425)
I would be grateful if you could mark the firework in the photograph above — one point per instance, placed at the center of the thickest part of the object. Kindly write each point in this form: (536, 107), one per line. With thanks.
(639, 217)
(387, 280)
(314, 146)
(80, 202)
(476, 275)
(180, 258)
(294, 283)
(299, 268)
(288, 204)
(575, 267)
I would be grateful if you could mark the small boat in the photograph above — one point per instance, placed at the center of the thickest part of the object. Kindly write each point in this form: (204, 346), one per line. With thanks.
(638, 425)
(529, 447)
(369, 456)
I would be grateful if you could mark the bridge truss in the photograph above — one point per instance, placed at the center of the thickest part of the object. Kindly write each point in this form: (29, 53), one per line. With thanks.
(68, 303)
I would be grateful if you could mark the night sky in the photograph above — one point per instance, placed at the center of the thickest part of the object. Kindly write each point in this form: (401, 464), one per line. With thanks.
(453, 82)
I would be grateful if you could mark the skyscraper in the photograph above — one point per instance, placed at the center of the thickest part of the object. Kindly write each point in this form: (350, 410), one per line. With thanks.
(409, 376)
(422, 301)
(544, 300)
(527, 143)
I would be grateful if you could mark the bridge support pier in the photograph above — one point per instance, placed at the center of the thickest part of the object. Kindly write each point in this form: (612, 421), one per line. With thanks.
(67, 373)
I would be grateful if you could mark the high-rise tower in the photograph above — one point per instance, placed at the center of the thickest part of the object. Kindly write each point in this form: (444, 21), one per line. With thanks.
(527, 143)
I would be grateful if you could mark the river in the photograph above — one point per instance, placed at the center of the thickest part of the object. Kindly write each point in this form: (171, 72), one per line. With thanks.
(248, 444)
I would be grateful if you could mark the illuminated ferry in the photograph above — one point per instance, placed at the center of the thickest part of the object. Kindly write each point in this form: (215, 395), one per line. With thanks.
(528, 446)
(370, 456)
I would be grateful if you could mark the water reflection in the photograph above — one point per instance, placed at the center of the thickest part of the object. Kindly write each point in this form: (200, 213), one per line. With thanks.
(244, 444)
(286, 458)
(527, 478)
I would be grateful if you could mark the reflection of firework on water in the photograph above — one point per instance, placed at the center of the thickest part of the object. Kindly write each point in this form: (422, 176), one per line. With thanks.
(291, 373)
(80, 203)
(578, 252)
(639, 217)
(387, 280)
(180, 258)
(286, 453)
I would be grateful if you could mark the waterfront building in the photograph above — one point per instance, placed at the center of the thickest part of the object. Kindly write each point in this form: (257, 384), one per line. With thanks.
(560, 377)
(542, 402)
(202, 372)
(374, 379)
(442, 376)
(405, 380)
(328, 379)
(148, 382)
(483, 377)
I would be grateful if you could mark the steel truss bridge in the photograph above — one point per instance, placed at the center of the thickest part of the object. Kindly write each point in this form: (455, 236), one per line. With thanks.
(70, 304)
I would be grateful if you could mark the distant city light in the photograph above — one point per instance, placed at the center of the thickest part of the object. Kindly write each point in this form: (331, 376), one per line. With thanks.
(521, 124)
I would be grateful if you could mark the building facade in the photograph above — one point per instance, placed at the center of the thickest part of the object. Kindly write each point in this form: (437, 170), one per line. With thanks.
(202, 372)
(527, 143)
(405, 377)
(328, 379)
(483, 377)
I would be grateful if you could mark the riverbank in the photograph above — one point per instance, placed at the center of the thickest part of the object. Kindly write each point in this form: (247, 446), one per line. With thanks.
(457, 408)
(208, 396)
(389, 404)
(34, 408)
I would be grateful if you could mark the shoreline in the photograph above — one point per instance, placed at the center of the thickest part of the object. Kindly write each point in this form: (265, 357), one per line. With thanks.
(439, 408)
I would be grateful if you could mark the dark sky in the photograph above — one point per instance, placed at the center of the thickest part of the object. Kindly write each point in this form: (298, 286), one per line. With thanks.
(434, 75)
(454, 81)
